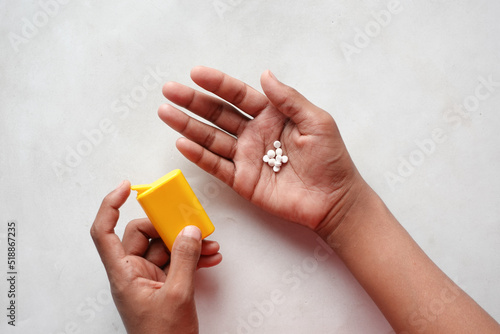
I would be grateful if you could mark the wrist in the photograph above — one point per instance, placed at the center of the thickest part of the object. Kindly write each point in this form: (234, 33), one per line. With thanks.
(357, 204)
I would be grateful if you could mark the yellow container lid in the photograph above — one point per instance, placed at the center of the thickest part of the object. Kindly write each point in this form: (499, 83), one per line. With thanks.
(143, 189)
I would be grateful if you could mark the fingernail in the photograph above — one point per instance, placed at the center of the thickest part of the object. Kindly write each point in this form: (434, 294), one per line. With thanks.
(192, 232)
(121, 184)
(272, 75)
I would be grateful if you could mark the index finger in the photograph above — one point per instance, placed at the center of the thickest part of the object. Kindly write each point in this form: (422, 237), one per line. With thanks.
(230, 89)
(108, 244)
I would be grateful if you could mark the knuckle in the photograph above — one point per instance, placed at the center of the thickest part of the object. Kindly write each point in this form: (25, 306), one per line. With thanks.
(240, 94)
(132, 226)
(328, 119)
(107, 200)
(210, 138)
(288, 101)
(138, 224)
(216, 112)
(216, 166)
(187, 249)
(233, 149)
(94, 232)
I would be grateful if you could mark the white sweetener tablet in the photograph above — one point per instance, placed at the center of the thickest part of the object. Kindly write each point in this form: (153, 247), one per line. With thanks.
(275, 158)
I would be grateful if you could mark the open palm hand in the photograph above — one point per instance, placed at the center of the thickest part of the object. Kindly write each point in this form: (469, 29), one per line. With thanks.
(309, 189)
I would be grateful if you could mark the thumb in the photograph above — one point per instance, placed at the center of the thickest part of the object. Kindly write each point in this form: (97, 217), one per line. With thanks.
(292, 104)
(184, 259)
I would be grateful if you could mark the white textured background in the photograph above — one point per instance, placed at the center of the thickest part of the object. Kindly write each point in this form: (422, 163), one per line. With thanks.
(65, 75)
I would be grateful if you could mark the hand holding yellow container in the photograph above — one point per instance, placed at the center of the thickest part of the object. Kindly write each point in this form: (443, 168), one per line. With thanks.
(171, 205)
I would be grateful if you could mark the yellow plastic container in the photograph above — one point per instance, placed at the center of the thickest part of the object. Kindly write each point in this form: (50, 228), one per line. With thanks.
(171, 205)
